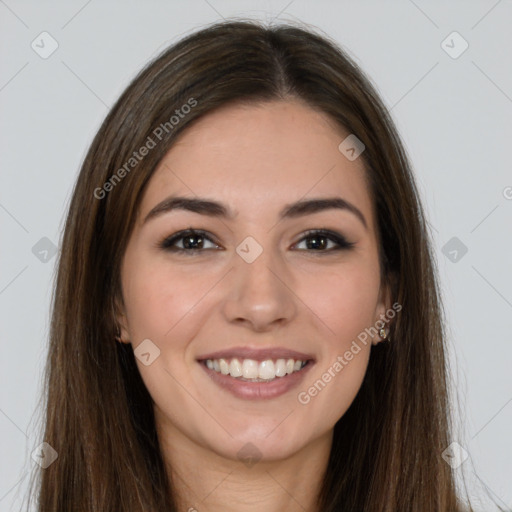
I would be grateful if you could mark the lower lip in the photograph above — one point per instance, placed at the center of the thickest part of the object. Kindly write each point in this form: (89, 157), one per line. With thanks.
(258, 390)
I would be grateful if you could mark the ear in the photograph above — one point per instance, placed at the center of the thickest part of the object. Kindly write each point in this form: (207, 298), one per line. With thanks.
(382, 317)
(121, 322)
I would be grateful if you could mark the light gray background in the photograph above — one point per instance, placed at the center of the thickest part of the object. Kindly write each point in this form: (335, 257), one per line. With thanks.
(454, 116)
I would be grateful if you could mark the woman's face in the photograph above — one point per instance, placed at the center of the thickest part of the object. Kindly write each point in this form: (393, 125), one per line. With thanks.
(253, 289)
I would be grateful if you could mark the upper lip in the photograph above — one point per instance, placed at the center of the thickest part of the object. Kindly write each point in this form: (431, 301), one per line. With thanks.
(258, 354)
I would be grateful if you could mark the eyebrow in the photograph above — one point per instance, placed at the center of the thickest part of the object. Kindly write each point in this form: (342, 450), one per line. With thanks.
(216, 209)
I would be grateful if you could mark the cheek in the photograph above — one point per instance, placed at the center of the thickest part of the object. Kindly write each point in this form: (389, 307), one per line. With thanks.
(344, 299)
(157, 298)
(159, 302)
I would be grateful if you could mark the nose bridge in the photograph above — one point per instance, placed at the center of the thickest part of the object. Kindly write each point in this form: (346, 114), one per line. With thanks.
(259, 293)
(258, 273)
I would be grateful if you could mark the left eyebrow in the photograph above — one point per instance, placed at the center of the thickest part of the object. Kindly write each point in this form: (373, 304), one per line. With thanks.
(211, 208)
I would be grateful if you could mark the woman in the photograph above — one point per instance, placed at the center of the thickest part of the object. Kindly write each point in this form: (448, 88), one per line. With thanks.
(246, 314)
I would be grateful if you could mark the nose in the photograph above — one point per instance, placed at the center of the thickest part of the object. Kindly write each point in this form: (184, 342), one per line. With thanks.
(260, 293)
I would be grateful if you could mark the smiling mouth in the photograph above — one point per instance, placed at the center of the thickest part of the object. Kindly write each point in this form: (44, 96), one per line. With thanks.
(250, 370)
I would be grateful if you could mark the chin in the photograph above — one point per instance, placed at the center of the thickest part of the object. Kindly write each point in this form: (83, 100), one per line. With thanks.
(264, 440)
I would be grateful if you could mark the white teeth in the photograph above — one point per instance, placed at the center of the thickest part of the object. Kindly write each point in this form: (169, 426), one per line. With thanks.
(280, 368)
(250, 369)
(224, 367)
(267, 370)
(235, 368)
(256, 371)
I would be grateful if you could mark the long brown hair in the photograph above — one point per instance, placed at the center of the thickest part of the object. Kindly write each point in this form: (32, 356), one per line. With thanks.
(386, 453)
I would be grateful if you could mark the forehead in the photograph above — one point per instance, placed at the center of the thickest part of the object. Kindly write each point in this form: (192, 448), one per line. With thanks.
(258, 157)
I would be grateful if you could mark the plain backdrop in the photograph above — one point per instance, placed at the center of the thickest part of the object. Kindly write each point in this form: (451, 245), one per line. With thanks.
(452, 106)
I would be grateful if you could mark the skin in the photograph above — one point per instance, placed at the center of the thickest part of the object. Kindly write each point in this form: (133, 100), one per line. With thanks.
(255, 159)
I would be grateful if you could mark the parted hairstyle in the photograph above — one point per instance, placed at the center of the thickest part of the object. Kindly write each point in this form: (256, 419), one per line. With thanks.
(387, 448)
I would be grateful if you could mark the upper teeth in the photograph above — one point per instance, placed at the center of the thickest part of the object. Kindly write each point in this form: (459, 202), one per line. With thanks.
(251, 369)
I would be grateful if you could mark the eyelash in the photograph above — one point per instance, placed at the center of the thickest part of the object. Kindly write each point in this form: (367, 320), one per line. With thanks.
(168, 243)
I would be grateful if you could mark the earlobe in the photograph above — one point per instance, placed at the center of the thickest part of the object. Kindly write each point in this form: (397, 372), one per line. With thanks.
(381, 336)
(383, 321)
(121, 334)
(121, 329)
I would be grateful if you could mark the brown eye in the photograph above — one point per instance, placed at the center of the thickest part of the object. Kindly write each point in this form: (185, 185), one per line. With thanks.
(318, 240)
(192, 241)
